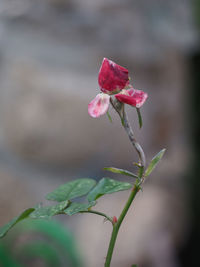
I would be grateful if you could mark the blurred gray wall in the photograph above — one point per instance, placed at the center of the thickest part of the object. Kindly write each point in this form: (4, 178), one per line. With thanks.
(50, 54)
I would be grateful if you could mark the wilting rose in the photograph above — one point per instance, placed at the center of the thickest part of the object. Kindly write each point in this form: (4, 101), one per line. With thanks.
(113, 79)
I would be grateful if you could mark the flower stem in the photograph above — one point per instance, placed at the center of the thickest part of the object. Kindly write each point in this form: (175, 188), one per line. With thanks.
(122, 113)
(136, 188)
(116, 227)
(134, 142)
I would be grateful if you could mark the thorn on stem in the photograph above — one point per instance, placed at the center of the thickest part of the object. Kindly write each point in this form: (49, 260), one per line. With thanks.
(114, 219)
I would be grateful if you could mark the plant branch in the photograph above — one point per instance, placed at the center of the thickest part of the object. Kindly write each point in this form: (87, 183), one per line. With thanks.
(134, 142)
(119, 107)
(122, 113)
(116, 226)
(99, 213)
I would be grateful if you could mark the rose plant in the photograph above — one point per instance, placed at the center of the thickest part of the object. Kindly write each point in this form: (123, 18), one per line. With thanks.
(115, 87)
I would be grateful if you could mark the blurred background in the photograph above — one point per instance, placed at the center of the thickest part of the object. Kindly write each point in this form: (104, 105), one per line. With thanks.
(50, 54)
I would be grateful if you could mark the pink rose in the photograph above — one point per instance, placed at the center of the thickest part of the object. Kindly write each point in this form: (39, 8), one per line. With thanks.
(113, 79)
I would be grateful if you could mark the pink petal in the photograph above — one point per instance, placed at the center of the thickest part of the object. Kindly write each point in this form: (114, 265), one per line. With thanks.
(99, 105)
(133, 97)
(112, 77)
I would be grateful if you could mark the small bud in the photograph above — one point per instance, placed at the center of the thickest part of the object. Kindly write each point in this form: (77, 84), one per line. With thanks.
(114, 219)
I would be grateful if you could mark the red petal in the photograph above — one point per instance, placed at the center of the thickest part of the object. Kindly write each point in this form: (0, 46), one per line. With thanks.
(132, 97)
(99, 105)
(112, 77)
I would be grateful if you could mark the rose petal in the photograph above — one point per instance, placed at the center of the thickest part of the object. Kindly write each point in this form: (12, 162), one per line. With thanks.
(112, 77)
(133, 97)
(99, 105)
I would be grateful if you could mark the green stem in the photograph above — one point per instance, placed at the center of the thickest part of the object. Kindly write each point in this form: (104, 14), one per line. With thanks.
(136, 188)
(99, 213)
(116, 226)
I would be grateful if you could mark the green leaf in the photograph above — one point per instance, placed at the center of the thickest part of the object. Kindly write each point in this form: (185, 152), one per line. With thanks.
(107, 186)
(154, 162)
(73, 189)
(76, 207)
(49, 211)
(6, 259)
(4, 229)
(42, 250)
(120, 171)
(134, 265)
(56, 234)
(109, 117)
(139, 117)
